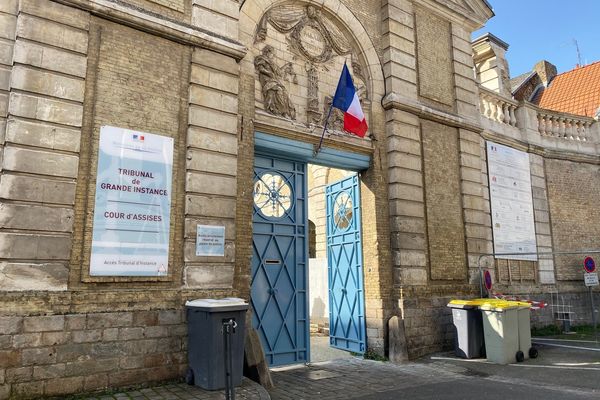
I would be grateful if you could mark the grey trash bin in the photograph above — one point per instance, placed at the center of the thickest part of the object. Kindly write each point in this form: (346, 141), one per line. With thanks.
(469, 340)
(206, 364)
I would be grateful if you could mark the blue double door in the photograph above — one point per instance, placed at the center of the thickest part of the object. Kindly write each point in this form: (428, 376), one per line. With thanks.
(279, 282)
(344, 265)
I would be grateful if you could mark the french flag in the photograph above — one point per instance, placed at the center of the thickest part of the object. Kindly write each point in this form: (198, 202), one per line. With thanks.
(347, 100)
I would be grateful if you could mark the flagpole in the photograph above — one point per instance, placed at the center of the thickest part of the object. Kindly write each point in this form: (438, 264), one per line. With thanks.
(324, 129)
(327, 119)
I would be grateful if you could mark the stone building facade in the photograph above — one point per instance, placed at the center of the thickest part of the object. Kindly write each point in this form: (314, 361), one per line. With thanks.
(234, 82)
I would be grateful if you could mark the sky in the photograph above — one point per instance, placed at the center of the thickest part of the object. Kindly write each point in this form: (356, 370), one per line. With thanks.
(545, 30)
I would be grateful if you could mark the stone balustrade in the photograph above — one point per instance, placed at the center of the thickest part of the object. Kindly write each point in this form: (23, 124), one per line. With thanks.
(498, 108)
(564, 126)
(511, 117)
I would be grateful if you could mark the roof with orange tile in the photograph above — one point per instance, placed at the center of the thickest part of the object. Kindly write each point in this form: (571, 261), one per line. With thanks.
(574, 92)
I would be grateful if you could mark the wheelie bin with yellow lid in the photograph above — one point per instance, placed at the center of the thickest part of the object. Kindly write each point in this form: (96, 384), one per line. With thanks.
(468, 341)
(526, 350)
(501, 330)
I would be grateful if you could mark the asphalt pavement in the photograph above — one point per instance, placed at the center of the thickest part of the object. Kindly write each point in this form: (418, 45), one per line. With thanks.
(563, 371)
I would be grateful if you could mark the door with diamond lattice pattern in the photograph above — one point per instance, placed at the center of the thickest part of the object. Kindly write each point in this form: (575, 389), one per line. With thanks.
(347, 329)
(279, 260)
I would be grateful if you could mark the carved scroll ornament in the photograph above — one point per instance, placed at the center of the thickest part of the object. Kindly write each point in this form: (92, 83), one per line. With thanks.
(309, 33)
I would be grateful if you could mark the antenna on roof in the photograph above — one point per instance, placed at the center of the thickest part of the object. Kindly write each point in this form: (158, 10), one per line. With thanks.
(578, 53)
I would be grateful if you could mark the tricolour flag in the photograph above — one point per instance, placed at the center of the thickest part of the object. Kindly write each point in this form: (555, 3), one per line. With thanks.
(347, 100)
(139, 138)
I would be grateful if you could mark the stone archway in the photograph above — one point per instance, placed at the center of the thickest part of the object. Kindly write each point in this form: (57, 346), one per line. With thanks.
(297, 124)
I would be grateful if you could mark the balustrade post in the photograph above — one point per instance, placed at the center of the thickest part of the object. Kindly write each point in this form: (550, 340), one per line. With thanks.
(486, 106)
(586, 128)
(578, 129)
(513, 117)
(569, 129)
(555, 127)
(506, 113)
(500, 114)
(541, 124)
(561, 128)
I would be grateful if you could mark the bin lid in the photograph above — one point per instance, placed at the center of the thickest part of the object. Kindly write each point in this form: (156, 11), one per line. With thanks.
(498, 305)
(471, 303)
(216, 305)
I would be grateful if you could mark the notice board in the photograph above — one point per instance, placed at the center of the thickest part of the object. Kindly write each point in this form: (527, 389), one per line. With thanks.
(132, 204)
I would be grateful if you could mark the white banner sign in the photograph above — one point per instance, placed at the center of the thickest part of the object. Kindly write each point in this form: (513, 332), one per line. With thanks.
(133, 204)
(512, 202)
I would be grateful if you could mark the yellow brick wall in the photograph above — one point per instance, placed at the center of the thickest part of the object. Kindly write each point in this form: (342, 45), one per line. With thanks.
(573, 190)
(445, 225)
(136, 81)
(434, 58)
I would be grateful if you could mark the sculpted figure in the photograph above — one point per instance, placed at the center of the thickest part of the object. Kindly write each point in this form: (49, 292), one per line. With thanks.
(271, 78)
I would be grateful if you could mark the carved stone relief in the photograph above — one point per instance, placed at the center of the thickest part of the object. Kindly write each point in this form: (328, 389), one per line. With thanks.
(317, 48)
(336, 119)
(313, 113)
(271, 78)
(309, 33)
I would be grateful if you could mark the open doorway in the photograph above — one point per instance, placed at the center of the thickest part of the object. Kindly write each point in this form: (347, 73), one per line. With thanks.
(280, 288)
(336, 290)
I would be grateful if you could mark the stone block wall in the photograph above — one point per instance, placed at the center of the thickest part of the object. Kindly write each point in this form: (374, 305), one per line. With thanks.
(427, 324)
(63, 354)
(218, 16)
(439, 206)
(543, 229)
(399, 52)
(8, 22)
(212, 165)
(476, 202)
(317, 180)
(41, 144)
(64, 74)
(177, 10)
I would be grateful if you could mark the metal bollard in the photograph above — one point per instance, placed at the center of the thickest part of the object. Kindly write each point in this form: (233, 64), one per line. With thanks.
(228, 329)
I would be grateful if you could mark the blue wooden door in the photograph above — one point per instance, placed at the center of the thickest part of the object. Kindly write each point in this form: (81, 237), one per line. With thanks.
(279, 260)
(347, 329)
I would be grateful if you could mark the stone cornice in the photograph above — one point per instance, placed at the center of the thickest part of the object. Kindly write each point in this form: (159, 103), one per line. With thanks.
(542, 151)
(472, 13)
(270, 124)
(126, 14)
(396, 101)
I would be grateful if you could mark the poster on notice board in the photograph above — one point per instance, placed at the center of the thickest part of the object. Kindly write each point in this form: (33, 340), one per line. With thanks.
(133, 204)
(512, 203)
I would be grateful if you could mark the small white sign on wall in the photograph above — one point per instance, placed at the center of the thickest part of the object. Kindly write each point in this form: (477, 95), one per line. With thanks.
(210, 240)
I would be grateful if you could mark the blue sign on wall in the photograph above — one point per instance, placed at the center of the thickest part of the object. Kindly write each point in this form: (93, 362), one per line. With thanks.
(133, 204)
